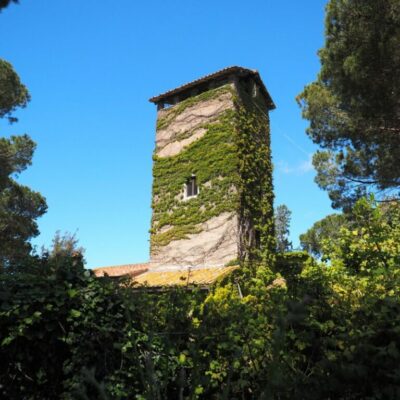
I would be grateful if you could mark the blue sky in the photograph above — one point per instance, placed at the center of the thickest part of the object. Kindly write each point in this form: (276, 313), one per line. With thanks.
(91, 67)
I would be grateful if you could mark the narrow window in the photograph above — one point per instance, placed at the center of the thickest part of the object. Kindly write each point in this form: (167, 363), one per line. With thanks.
(255, 90)
(168, 105)
(257, 237)
(191, 187)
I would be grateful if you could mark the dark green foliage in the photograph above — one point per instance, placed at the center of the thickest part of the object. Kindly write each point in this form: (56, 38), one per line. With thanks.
(39, 302)
(302, 330)
(15, 156)
(5, 3)
(353, 106)
(291, 264)
(13, 93)
(66, 334)
(19, 206)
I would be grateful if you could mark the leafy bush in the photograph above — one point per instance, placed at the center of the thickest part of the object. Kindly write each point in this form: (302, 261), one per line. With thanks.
(301, 329)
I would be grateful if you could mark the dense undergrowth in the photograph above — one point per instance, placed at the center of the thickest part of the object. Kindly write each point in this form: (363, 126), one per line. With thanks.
(297, 329)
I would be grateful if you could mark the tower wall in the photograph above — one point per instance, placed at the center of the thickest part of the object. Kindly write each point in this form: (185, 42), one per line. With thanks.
(220, 137)
(196, 137)
(256, 211)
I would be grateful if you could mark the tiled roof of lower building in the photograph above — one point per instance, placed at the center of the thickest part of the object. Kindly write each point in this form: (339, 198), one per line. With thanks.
(142, 274)
(121, 270)
(183, 277)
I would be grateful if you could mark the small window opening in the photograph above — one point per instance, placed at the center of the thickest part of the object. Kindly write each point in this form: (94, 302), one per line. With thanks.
(257, 237)
(191, 189)
(168, 105)
(255, 90)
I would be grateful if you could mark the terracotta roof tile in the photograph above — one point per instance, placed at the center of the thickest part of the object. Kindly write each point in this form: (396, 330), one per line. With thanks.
(120, 270)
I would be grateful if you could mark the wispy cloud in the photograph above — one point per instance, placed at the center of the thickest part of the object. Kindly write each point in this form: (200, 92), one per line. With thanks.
(306, 166)
(293, 143)
(300, 169)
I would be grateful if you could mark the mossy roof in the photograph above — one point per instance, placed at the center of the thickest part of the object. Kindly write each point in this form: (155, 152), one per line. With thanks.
(183, 277)
(158, 277)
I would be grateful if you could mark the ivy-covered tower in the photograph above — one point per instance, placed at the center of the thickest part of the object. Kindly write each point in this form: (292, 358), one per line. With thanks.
(212, 175)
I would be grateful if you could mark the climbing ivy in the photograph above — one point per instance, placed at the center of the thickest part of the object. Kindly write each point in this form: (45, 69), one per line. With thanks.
(232, 164)
(170, 114)
(256, 186)
(213, 160)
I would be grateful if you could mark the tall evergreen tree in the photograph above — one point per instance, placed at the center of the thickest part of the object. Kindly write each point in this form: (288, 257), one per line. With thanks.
(328, 228)
(5, 3)
(19, 205)
(282, 226)
(354, 105)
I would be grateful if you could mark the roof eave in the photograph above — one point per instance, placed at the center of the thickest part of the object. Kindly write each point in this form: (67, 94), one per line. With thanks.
(215, 75)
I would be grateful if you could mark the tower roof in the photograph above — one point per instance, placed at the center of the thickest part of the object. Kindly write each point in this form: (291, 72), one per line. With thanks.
(218, 75)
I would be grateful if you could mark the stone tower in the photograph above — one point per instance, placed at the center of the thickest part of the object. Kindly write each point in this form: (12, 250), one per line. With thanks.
(212, 177)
